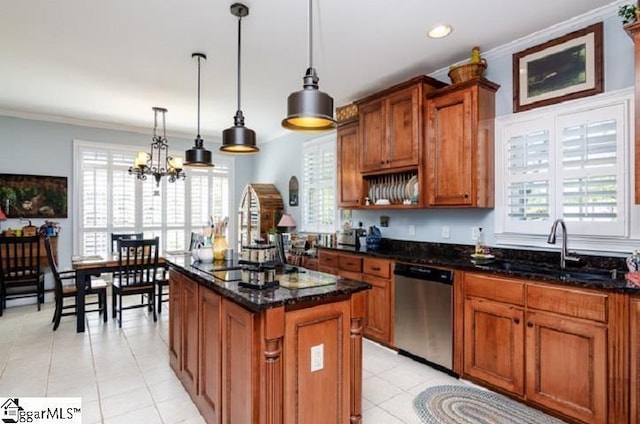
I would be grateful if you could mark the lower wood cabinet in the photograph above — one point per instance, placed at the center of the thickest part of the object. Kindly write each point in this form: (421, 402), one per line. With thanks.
(634, 327)
(209, 394)
(566, 366)
(379, 323)
(494, 344)
(555, 347)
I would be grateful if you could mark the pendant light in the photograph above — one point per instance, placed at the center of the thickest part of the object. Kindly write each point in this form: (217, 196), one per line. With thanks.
(309, 110)
(198, 156)
(239, 139)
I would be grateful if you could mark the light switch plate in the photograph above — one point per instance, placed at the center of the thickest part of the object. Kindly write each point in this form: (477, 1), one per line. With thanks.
(445, 232)
(412, 230)
(317, 357)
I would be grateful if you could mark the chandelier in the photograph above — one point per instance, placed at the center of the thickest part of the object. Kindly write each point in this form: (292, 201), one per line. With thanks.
(158, 163)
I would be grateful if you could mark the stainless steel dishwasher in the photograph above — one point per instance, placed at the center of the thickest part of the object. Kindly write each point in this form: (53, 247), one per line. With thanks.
(423, 309)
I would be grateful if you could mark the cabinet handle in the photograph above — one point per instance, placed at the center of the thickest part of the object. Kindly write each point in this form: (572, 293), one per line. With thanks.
(465, 195)
(375, 268)
(516, 320)
(381, 162)
(529, 324)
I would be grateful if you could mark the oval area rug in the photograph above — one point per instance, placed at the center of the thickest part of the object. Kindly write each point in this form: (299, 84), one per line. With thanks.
(463, 404)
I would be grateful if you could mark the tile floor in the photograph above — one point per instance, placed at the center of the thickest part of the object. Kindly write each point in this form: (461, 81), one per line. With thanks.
(123, 375)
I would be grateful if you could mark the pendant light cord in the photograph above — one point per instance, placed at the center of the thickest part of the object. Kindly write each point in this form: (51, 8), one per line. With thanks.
(310, 34)
(198, 132)
(239, 46)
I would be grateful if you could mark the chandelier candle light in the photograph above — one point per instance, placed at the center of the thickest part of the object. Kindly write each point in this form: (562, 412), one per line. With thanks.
(158, 163)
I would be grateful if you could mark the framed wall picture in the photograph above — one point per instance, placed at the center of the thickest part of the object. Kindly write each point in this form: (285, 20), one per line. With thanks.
(33, 196)
(293, 191)
(565, 68)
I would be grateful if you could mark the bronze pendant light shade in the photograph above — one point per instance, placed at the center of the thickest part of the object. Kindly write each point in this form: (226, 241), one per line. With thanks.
(309, 110)
(239, 139)
(198, 156)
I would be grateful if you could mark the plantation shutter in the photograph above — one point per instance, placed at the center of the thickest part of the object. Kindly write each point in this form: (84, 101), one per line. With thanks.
(318, 186)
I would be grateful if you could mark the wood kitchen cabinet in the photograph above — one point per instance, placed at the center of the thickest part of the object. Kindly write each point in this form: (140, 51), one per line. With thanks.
(494, 332)
(634, 343)
(209, 394)
(633, 29)
(459, 158)
(349, 179)
(379, 325)
(391, 126)
(555, 347)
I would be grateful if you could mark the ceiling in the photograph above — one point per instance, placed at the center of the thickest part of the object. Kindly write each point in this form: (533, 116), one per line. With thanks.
(107, 63)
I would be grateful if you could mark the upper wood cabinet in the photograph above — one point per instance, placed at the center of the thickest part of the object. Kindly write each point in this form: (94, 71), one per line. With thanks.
(633, 29)
(459, 159)
(391, 126)
(634, 346)
(349, 180)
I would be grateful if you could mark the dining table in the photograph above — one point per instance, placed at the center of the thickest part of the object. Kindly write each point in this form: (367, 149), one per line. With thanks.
(88, 266)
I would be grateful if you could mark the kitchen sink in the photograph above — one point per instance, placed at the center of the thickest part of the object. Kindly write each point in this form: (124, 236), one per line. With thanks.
(584, 274)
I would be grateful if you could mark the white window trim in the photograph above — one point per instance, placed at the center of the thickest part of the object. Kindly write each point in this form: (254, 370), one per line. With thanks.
(77, 222)
(306, 145)
(619, 244)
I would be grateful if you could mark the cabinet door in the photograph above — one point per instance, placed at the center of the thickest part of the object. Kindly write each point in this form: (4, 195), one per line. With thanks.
(494, 344)
(567, 366)
(378, 322)
(373, 144)
(450, 153)
(634, 320)
(209, 390)
(190, 336)
(175, 321)
(239, 369)
(403, 127)
(349, 180)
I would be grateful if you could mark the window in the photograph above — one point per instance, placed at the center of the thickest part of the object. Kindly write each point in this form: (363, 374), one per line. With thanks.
(319, 185)
(110, 200)
(566, 162)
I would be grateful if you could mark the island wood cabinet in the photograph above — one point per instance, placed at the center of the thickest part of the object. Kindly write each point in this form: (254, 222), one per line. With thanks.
(391, 126)
(243, 367)
(556, 347)
(634, 343)
(459, 158)
(349, 179)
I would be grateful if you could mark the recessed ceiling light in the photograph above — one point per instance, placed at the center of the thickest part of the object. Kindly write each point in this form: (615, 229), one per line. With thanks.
(440, 31)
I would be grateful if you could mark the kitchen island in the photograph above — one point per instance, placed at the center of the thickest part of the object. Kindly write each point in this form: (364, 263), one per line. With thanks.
(291, 354)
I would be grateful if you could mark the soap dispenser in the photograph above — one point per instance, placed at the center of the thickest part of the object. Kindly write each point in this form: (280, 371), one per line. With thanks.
(479, 243)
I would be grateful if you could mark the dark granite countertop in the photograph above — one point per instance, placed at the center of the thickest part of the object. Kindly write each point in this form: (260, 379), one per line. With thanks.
(458, 257)
(324, 287)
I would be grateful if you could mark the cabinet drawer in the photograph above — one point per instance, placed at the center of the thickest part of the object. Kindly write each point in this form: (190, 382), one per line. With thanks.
(327, 259)
(355, 276)
(571, 302)
(350, 263)
(378, 267)
(494, 288)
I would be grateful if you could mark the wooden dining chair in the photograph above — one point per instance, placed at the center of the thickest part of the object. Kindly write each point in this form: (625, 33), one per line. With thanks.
(20, 274)
(137, 269)
(125, 236)
(93, 286)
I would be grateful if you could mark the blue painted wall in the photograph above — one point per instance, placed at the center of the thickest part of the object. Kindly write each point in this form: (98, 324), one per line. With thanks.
(282, 157)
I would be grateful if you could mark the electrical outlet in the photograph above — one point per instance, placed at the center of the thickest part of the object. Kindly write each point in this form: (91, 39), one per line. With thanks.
(412, 230)
(445, 232)
(475, 233)
(317, 357)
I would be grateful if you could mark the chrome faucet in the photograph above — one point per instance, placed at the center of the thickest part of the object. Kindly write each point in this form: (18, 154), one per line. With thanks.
(564, 253)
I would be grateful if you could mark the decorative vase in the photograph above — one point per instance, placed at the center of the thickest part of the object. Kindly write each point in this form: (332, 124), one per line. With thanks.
(219, 247)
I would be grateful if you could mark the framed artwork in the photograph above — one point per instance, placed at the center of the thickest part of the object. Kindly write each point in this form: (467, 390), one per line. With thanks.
(293, 191)
(565, 68)
(33, 196)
